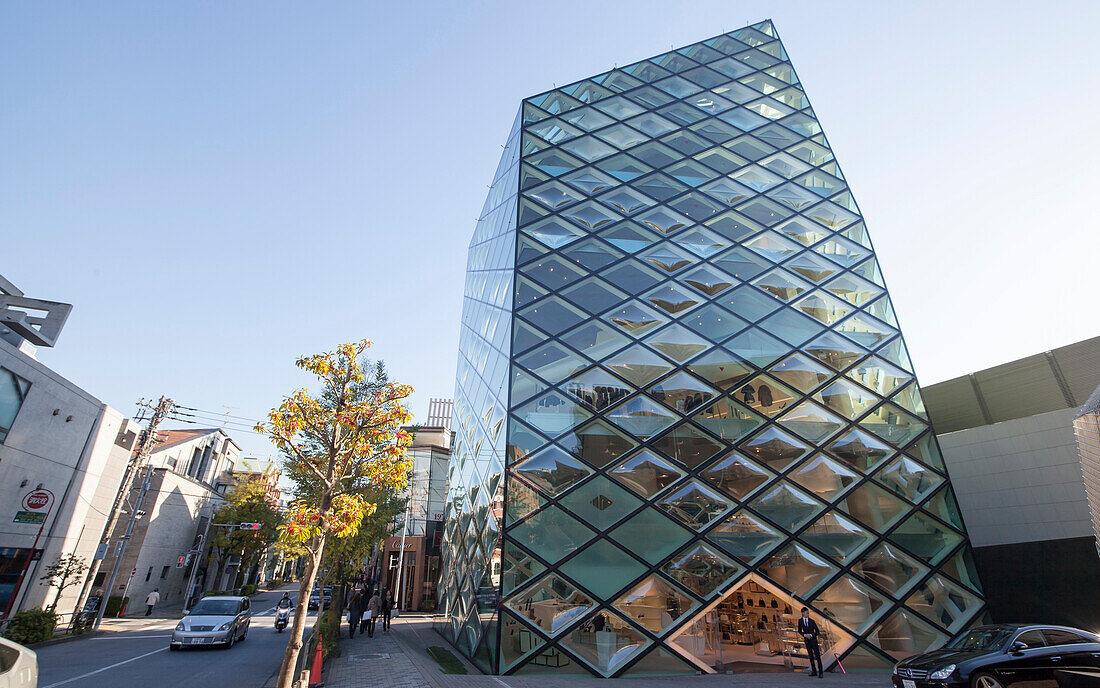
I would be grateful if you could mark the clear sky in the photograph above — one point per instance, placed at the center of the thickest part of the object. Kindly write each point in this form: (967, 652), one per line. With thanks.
(221, 187)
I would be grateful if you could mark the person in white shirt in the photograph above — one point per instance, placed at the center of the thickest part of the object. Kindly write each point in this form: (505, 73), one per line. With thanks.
(151, 601)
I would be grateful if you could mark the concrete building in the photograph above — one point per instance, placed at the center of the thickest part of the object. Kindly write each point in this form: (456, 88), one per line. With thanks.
(55, 439)
(427, 491)
(191, 470)
(1007, 436)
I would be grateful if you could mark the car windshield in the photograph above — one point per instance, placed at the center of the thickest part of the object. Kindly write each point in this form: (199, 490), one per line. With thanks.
(992, 638)
(215, 608)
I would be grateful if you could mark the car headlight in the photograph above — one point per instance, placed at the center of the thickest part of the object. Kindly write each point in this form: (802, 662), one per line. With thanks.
(181, 626)
(225, 627)
(942, 674)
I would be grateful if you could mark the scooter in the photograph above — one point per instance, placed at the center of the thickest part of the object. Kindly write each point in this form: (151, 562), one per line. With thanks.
(282, 618)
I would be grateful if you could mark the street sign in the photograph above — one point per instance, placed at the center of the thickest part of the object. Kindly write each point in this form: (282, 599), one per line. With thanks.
(133, 572)
(101, 551)
(36, 500)
(29, 517)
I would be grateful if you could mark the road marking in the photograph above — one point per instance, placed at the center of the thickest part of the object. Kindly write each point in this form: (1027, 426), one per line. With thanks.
(99, 671)
(494, 678)
(133, 637)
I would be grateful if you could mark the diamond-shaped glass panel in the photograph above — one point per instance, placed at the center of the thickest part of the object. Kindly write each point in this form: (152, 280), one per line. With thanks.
(745, 536)
(798, 569)
(721, 368)
(647, 473)
(948, 604)
(598, 389)
(874, 506)
(552, 533)
(642, 417)
(836, 536)
(775, 448)
(688, 445)
(728, 419)
(552, 604)
(609, 648)
(810, 421)
(736, 475)
(552, 414)
(677, 342)
(651, 535)
(682, 392)
(781, 284)
(825, 477)
(600, 502)
(909, 478)
(765, 396)
(638, 366)
(834, 350)
(889, 568)
(655, 604)
(602, 568)
(853, 603)
(552, 471)
(786, 506)
(695, 504)
(597, 443)
(635, 319)
(663, 220)
(708, 280)
(702, 569)
(672, 299)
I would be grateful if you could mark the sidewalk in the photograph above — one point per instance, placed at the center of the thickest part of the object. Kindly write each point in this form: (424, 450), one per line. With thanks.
(399, 659)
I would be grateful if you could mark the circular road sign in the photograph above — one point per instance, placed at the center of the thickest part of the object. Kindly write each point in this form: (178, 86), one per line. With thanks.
(37, 500)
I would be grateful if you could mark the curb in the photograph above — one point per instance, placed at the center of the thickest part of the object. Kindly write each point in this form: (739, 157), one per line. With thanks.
(66, 639)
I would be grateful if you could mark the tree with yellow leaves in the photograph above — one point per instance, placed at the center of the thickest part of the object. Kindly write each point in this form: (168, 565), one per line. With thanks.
(346, 434)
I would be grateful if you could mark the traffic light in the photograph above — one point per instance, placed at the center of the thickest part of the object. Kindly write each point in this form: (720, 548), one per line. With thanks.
(181, 561)
(250, 526)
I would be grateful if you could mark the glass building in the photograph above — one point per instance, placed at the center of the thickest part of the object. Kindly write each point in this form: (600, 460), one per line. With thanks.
(684, 408)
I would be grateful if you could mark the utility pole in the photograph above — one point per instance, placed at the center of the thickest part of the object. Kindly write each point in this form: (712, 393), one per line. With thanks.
(145, 446)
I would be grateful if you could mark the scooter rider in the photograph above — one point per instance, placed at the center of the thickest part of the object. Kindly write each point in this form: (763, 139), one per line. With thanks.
(282, 613)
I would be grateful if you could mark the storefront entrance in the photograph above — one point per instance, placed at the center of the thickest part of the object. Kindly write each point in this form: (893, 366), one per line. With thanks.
(753, 628)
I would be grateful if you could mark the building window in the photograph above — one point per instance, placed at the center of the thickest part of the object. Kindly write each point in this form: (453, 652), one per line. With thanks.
(149, 574)
(13, 390)
(164, 572)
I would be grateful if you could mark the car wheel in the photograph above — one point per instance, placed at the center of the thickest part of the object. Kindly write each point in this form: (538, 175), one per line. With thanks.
(233, 641)
(174, 648)
(985, 681)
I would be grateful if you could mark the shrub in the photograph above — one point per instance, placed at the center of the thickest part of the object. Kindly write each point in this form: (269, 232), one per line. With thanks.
(31, 626)
(115, 605)
(272, 583)
(215, 593)
(249, 589)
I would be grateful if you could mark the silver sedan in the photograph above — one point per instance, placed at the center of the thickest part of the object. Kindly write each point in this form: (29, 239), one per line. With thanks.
(213, 621)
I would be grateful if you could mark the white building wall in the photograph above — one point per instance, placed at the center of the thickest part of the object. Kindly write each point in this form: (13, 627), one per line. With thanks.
(1019, 480)
(73, 454)
(170, 532)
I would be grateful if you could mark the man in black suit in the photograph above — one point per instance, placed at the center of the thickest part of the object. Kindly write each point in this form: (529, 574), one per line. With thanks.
(807, 627)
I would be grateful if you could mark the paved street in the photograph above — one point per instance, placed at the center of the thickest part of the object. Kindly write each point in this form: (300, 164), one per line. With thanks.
(134, 654)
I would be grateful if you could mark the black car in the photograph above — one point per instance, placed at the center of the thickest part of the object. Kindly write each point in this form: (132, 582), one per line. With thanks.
(1001, 656)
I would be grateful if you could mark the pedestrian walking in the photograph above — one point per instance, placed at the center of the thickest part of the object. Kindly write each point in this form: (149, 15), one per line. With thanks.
(151, 601)
(387, 609)
(355, 612)
(807, 627)
(374, 607)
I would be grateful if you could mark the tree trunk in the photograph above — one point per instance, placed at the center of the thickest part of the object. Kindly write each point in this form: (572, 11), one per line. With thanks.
(301, 609)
